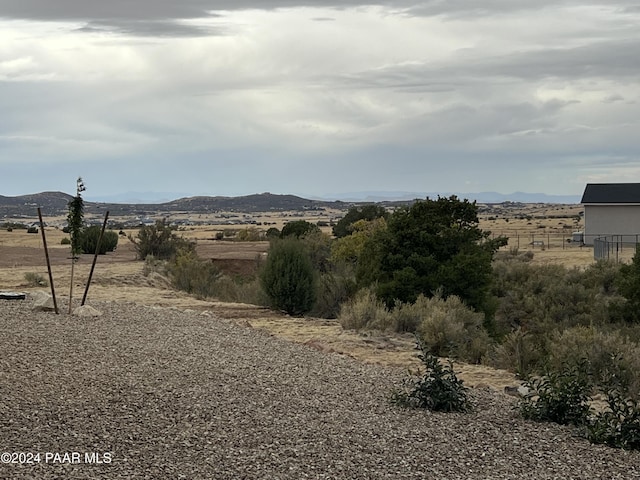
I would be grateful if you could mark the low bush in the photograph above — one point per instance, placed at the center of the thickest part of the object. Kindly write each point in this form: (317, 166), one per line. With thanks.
(65, 241)
(89, 240)
(193, 275)
(228, 289)
(563, 397)
(519, 353)
(449, 328)
(560, 397)
(619, 425)
(249, 234)
(153, 264)
(610, 355)
(439, 389)
(35, 280)
(332, 291)
(10, 226)
(160, 241)
(32, 230)
(365, 311)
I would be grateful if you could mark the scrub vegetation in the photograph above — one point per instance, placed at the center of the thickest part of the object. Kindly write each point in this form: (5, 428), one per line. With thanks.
(429, 270)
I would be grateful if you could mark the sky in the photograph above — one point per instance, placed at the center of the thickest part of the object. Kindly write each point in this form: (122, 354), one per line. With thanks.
(318, 97)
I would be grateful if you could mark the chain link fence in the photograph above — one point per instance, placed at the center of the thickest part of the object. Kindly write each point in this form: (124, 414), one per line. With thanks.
(615, 247)
(526, 240)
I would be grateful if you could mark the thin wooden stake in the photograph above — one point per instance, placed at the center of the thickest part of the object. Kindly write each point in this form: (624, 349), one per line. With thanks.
(46, 254)
(73, 262)
(95, 258)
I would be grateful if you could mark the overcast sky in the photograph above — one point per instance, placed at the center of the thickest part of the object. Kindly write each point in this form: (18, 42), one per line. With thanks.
(318, 97)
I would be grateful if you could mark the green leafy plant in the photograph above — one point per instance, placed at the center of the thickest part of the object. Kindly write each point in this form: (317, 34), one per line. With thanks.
(560, 397)
(439, 389)
(619, 425)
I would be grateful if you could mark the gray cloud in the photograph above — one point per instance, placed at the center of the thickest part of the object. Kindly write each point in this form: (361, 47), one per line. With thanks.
(160, 17)
(403, 95)
(144, 28)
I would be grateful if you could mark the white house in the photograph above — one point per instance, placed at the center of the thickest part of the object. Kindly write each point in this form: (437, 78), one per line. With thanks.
(612, 210)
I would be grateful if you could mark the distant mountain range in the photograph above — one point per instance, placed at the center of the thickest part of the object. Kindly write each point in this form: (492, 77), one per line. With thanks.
(55, 203)
(480, 197)
(355, 197)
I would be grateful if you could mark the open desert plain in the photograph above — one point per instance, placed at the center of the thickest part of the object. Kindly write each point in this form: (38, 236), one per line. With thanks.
(165, 385)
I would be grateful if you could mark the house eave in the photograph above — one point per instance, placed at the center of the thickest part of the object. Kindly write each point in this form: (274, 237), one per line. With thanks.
(610, 204)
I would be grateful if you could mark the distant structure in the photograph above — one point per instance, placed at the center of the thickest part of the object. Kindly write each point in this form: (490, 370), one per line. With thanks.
(612, 210)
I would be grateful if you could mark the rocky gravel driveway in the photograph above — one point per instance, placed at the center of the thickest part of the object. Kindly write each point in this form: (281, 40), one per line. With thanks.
(149, 393)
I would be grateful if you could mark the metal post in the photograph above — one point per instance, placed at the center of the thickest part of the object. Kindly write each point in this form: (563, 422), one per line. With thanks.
(46, 254)
(95, 258)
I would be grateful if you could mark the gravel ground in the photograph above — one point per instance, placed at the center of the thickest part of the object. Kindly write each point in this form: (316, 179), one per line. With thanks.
(159, 393)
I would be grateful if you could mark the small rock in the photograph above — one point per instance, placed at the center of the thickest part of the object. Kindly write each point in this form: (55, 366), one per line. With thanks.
(42, 302)
(87, 311)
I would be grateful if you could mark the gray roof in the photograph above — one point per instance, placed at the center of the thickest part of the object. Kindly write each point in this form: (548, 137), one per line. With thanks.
(611, 193)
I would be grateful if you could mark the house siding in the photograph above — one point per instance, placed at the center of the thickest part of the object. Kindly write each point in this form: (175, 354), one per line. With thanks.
(608, 220)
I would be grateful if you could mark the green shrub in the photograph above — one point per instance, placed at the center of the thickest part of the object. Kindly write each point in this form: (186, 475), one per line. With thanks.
(560, 397)
(288, 277)
(439, 389)
(447, 327)
(406, 317)
(628, 284)
(272, 233)
(65, 241)
(298, 228)
(333, 290)
(450, 328)
(365, 311)
(234, 290)
(249, 234)
(367, 212)
(609, 354)
(10, 226)
(89, 240)
(430, 245)
(619, 425)
(153, 264)
(160, 241)
(35, 280)
(518, 353)
(193, 275)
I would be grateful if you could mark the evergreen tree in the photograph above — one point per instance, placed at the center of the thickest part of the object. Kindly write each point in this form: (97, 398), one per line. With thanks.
(288, 277)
